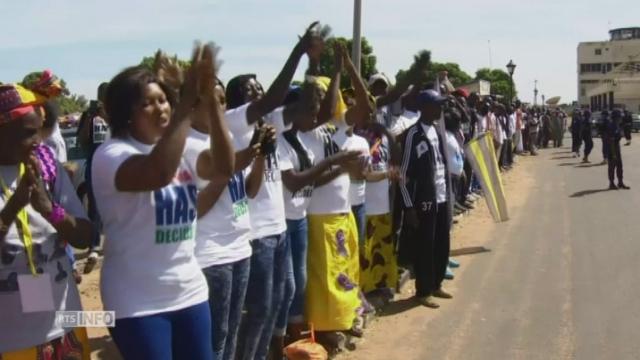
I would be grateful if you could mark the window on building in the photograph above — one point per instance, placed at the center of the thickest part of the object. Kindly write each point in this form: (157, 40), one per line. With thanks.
(583, 91)
(598, 51)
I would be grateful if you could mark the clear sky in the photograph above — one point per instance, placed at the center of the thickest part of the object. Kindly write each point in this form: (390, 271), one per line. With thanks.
(88, 41)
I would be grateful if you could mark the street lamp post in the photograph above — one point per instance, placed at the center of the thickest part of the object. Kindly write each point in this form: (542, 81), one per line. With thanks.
(511, 67)
(535, 93)
(357, 40)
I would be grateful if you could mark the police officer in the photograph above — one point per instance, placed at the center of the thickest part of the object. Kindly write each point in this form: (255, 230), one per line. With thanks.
(613, 134)
(576, 137)
(587, 136)
(602, 127)
(627, 124)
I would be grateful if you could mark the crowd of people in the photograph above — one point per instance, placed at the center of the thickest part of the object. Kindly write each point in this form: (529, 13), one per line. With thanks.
(233, 216)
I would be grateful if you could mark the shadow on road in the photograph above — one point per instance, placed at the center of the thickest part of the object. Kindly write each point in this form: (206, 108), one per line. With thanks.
(566, 164)
(562, 157)
(587, 192)
(399, 306)
(469, 251)
(561, 152)
(590, 165)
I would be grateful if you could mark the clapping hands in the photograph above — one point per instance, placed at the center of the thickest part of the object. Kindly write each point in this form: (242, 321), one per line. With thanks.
(194, 83)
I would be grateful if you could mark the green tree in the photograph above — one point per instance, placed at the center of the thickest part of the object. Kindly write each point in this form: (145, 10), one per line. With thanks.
(457, 76)
(367, 63)
(72, 104)
(148, 61)
(500, 81)
(421, 67)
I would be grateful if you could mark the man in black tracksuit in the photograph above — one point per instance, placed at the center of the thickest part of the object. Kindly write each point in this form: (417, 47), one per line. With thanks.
(424, 196)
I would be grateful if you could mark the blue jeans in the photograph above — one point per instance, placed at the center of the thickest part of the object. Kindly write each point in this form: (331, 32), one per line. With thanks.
(70, 255)
(181, 334)
(360, 214)
(264, 296)
(296, 281)
(227, 290)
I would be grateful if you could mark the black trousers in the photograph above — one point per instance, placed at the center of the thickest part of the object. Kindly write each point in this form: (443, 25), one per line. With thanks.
(466, 185)
(576, 141)
(615, 161)
(432, 245)
(508, 144)
(533, 141)
(606, 147)
(627, 132)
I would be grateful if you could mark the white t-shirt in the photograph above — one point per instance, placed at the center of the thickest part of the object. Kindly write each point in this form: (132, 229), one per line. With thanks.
(405, 121)
(56, 142)
(224, 232)
(149, 261)
(23, 330)
(239, 126)
(383, 115)
(498, 131)
(377, 193)
(100, 130)
(455, 158)
(482, 125)
(512, 123)
(439, 173)
(295, 204)
(324, 141)
(357, 189)
(267, 208)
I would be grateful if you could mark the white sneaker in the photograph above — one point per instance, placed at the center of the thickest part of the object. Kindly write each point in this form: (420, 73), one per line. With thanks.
(92, 260)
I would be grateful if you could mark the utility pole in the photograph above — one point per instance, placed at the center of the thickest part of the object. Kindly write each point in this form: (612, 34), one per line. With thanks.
(535, 92)
(357, 36)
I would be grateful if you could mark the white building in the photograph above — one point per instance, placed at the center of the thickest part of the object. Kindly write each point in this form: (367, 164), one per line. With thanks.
(609, 71)
(481, 87)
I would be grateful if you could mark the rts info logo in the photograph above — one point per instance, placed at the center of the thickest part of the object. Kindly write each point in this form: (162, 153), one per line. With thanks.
(72, 319)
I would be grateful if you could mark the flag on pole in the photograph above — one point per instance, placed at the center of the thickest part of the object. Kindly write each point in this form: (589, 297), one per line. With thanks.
(482, 156)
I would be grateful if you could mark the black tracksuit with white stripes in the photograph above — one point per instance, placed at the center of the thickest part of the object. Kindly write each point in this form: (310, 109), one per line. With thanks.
(430, 243)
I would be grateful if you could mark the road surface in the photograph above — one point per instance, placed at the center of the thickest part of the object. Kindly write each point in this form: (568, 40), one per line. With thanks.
(562, 279)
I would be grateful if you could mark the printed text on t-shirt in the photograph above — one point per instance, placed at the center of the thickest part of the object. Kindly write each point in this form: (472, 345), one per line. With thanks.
(175, 213)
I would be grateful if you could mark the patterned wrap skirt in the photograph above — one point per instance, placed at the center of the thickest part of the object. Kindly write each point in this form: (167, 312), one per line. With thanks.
(74, 345)
(378, 264)
(333, 272)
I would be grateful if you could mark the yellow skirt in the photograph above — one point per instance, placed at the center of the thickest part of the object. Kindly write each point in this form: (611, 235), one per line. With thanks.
(74, 345)
(379, 268)
(333, 272)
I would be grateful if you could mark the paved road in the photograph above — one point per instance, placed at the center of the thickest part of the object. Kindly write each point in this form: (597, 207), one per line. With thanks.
(563, 278)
